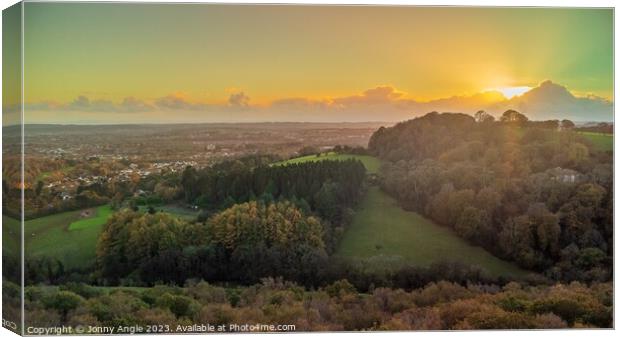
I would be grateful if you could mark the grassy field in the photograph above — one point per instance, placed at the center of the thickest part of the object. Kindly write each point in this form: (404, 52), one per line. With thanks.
(100, 216)
(381, 227)
(603, 141)
(371, 163)
(10, 235)
(67, 236)
(179, 211)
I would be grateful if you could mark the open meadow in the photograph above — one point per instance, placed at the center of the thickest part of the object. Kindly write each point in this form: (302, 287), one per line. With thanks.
(71, 237)
(177, 210)
(371, 163)
(381, 227)
(56, 236)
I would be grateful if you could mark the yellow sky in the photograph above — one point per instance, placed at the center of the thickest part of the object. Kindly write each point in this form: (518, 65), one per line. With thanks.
(111, 51)
(92, 57)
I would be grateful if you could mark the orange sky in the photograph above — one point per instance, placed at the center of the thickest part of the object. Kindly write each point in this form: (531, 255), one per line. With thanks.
(214, 54)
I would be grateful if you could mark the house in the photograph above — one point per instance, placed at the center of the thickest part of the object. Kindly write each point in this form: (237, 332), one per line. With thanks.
(567, 176)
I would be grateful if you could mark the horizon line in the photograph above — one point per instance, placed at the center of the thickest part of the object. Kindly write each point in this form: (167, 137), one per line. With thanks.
(261, 122)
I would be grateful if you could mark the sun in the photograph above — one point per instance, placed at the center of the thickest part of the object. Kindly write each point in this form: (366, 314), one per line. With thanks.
(510, 92)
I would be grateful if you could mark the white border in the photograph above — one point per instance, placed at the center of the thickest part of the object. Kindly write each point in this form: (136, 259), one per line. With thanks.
(489, 3)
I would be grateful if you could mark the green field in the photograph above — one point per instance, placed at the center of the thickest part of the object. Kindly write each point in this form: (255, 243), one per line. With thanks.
(604, 141)
(68, 236)
(371, 163)
(180, 211)
(381, 228)
(65, 236)
(10, 235)
(99, 218)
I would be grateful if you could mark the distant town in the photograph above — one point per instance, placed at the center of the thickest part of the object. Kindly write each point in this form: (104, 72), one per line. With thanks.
(91, 156)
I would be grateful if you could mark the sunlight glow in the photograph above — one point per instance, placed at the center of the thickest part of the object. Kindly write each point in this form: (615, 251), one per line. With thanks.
(510, 92)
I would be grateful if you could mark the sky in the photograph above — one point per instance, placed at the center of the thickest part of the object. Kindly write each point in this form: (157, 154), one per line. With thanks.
(132, 63)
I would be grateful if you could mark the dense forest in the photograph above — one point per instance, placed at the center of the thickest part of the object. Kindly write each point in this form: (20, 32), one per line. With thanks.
(329, 189)
(533, 192)
(337, 306)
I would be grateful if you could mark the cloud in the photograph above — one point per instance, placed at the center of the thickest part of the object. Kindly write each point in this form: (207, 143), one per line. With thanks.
(176, 101)
(379, 103)
(301, 103)
(553, 101)
(83, 103)
(464, 103)
(132, 104)
(379, 95)
(382, 103)
(546, 101)
(239, 99)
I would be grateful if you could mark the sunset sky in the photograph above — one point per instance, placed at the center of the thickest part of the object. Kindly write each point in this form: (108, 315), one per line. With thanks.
(82, 58)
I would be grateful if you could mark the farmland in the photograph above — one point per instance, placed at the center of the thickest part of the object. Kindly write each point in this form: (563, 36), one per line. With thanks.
(381, 227)
(371, 163)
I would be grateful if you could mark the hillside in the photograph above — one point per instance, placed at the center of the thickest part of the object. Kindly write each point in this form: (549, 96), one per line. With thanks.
(530, 192)
(382, 228)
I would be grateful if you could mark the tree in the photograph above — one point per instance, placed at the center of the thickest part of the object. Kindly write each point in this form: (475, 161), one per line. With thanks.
(483, 117)
(340, 288)
(547, 227)
(326, 200)
(133, 241)
(39, 187)
(179, 305)
(62, 301)
(189, 181)
(473, 224)
(274, 239)
(567, 124)
(577, 153)
(252, 223)
(513, 117)
(165, 192)
(590, 257)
